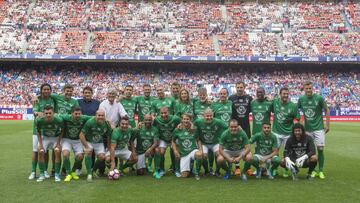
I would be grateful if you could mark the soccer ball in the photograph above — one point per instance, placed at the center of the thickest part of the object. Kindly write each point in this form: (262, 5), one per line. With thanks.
(114, 174)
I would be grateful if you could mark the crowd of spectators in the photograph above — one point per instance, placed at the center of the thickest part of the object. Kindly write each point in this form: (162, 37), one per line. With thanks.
(341, 89)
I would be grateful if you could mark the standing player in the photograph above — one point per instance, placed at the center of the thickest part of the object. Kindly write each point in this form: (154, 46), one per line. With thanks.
(147, 139)
(43, 100)
(241, 107)
(313, 106)
(144, 103)
(113, 110)
(184, 104)
(266, 151)
(201, 103)
(120, 139)
(261, 111)
(50, 130)
(129, 104)
(71, 141)
(285, 112)
(92, 136)
(162, 101)
(166, 124)
(222, 108)
(175, 91)
(64, 103)
(187, 147)
(234, 146)
(299, 152)
(209, 131)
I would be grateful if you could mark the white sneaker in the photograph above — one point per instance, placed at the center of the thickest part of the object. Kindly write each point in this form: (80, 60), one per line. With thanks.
(89, 178)
(78, 172)
(46, 174)
(178, 174)
(57, 178)
(41, 178)
(32, 176)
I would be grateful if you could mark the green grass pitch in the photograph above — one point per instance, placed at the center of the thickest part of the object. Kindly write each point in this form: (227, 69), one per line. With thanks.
(342, 183)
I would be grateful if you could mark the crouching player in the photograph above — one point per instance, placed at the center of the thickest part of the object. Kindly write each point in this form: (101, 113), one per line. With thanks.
(120, 139)
(147, 139)
(234, 146)
(299, 152)
(187, 147)
(92, 136)
(71, 141)
(50, 130)
(266, 151)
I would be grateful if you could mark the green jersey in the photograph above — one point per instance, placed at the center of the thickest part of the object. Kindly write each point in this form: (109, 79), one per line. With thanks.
(222, 110)
(121, 138)
(166, 127)
(199, 108)
(284, 115)
(209, 133)
(129, 105)
(265, 144)
(181, 108)
(312, 108)
(160, 103)
(72, 127)
(261, 112)
(62, 105)
(50, 128)
(185, 141)
(96, 132)
(39, 107)
(234, 142)
(144, 106)
(145, 138)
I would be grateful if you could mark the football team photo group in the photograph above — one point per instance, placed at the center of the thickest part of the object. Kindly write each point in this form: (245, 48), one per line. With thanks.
(230, 137)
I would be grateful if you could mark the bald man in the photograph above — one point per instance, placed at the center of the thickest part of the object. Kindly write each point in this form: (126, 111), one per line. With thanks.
(92, 136)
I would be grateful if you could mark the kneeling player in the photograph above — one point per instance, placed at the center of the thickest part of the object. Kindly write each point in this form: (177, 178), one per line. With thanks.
(266, 151)
(210, 129)
(299, 152)
(73, 124)
(50, 130)
(147, 138)
(234, 146)
(92, 136)
(187, 147)
(120, 139)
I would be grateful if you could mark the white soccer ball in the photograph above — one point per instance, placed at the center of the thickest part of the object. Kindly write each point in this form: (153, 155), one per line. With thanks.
(114, 174)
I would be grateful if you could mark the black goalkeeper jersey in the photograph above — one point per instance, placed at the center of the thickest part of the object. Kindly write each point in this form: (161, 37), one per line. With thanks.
(295, 149)
(240, 111)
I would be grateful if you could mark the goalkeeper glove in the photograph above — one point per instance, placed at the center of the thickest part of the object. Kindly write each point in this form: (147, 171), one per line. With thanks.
(300, 161)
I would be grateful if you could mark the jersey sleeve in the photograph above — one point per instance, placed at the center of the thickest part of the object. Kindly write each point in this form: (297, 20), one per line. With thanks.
(253, 139)
(222, 139)
(246, 139)
(275, 144)
(134, 134)
(114, 137)
(86, 127)
(175, 135)
(156, 134)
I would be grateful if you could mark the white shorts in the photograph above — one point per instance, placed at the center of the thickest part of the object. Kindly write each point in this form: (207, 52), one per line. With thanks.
(213, 147)
(35, 143)
(49, 142)
(141, 161)
(163, 144)
(97, 147)
(233, 154)
(185, 161)
(123, 154)
(75, 145)
(281, 139)
(318, 136)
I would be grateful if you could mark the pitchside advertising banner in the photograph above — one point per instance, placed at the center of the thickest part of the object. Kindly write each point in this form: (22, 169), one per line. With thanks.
(186, 58)
(344, 115)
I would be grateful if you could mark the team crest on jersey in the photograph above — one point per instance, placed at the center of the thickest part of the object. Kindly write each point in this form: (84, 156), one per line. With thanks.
(241, 110)
(145, 110)
(146, 144)
(208, 136)
(280, 116)
(259, 117)
(310, 113)
(187, 144)
(310, 102)
(299, 144)
(226, 107)
(49, 126)
(202, 106)
(282, 108)
(260, 107)
(225, 117)
(164, 102)
(208, 127)
(73, 132)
